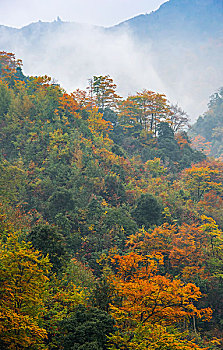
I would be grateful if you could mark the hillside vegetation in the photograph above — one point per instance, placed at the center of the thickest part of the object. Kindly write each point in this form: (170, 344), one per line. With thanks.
(111, 224)
(208, 130)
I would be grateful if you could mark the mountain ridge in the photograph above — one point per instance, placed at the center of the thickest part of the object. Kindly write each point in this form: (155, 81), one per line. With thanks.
(180, 13)
(184, 7)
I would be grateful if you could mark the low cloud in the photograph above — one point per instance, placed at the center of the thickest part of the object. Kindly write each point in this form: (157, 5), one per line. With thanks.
(72, 54)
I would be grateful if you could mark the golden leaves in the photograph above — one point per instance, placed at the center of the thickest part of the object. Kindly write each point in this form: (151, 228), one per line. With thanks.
(24, 279)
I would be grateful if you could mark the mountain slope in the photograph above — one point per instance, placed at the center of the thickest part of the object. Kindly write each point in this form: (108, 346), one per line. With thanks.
(181, 18)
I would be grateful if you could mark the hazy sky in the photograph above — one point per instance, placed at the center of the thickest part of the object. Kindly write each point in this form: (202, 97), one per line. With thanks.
(18, 13)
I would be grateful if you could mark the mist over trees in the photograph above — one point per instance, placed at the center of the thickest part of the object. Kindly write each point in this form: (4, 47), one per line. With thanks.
(207, 131)
(110, 222)
(169, 50)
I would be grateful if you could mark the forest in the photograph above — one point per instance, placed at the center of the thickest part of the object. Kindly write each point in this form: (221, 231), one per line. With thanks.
(111, 218)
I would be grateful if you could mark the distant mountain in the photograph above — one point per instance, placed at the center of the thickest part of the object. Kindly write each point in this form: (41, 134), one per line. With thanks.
(35, 34)
(177, 50)
(187, 19)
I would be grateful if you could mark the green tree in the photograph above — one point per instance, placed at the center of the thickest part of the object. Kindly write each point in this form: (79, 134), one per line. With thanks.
(51, 242)
(5, 99)
(85, 329)
(168, 146)
(147, 211)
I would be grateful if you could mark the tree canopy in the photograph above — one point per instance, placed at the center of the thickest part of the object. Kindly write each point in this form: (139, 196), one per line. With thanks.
(110, 222)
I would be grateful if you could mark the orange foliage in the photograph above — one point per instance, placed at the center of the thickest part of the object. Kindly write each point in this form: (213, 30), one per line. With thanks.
(181, 140)
(186, 249)
(67, 103)
(8, 65)
(147, 108)
(148, 297)
(84, 101)
(200, 143)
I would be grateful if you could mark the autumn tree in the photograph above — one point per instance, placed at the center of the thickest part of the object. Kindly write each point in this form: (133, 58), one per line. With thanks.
(23, 276)
(144, 299)
(147, 108)
(200, 179)
(84, 100)
(104, 90)
(97, 124)
(199, 142)
(187, 249)
(10, 67)
(68, 106)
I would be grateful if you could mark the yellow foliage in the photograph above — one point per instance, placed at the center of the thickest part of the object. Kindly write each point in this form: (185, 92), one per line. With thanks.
(23, 274)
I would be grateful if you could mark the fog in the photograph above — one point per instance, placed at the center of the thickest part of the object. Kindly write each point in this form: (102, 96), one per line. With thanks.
(73, 54)
(72, 57)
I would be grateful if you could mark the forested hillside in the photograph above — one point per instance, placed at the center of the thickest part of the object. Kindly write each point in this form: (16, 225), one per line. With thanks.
(111, 224)
(208, 130)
